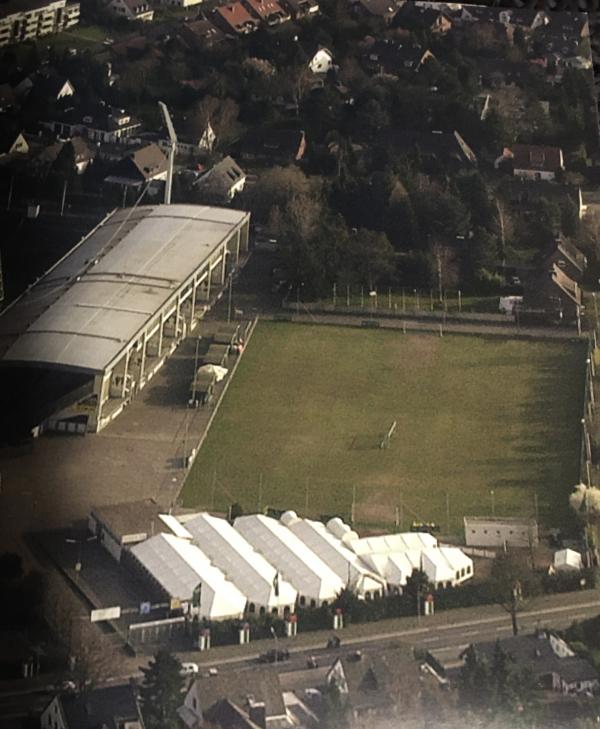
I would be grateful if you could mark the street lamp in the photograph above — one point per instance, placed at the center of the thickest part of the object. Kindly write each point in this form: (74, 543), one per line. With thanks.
(274, 634)
(79, 543)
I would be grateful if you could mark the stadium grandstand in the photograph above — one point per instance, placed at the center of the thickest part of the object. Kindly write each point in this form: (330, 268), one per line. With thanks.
(104, 319)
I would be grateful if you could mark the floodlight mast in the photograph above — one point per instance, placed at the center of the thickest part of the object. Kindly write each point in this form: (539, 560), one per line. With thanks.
(172, 150)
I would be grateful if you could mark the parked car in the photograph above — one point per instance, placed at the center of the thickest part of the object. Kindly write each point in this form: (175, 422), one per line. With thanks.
(188, 669)
(273, 656)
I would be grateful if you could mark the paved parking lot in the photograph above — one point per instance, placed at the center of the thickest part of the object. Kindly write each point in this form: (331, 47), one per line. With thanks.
(139, 455)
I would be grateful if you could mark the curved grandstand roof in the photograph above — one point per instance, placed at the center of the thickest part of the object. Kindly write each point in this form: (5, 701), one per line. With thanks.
(86, 309)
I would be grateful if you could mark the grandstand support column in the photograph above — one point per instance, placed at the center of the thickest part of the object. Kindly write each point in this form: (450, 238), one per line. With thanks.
(143, 362)
(223, 264)
(160, 333)
(193, 303)
(244, 236)
(126, 371)
(208, 283)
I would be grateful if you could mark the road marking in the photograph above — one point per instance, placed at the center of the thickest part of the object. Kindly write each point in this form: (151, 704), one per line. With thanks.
(503, 627)
(431, 640)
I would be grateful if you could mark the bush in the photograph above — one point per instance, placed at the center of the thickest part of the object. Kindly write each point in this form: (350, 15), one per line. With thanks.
(569, 582)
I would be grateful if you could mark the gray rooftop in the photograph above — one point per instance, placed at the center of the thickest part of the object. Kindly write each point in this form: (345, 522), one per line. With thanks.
(86, 309)
(134, 517)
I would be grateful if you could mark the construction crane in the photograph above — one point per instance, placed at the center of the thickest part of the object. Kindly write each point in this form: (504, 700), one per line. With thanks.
(172, 150)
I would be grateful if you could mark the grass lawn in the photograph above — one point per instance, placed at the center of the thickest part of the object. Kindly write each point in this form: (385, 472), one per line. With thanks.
(303, 417)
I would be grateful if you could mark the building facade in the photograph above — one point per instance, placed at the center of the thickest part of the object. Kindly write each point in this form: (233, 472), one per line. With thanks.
(481, 531)
(22, 21)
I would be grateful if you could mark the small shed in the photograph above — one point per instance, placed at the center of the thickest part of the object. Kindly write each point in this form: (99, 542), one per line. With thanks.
(216, 354)
(567, 559)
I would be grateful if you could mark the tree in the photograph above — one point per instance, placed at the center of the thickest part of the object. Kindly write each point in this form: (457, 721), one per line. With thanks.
(276, 187)
(222, 114)
(160, 691)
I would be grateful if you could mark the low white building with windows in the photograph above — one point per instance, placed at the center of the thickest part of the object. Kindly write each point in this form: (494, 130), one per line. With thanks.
(498, 531)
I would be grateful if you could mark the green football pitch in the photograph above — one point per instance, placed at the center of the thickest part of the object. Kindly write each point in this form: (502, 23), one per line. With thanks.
(483, 425)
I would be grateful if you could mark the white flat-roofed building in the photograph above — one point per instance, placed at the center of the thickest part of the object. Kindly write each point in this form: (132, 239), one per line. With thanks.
(315, 582)
(346, 564)
(249, 571)
(118, 304)
(179, 567)
(490, 531)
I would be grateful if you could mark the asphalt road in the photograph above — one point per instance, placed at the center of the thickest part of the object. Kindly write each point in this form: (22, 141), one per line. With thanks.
(445, 640)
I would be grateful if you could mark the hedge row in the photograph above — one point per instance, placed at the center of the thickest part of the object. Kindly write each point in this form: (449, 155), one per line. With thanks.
(390, 606)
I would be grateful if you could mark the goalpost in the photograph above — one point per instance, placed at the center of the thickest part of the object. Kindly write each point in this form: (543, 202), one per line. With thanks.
(385, 441)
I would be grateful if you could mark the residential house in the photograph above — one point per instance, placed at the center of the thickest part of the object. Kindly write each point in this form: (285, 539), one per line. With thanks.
(50, 86)
(272, 146)
(26, 20)
(102, 124)
(568, 258)
(12, 142)
(374, 683)
(384, 9)
(8, 99)
(437, 149)
(301, 8)
(548, 658)
(391, 57)
(267, 11)
(433, 19)
(115, 707)
(145, 167)
(234, 18)
(498, 72)
(201, 34)
(250, 695)
(534, 162)
(222, 182)
(589, 203)
(321, 62)
(180, 3)
(84, 154)
(131, 9)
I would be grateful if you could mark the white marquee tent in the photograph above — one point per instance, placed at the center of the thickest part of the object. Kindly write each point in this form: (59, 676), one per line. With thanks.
(179, 567)
(247, 569)
(346, 565)
(298, 564)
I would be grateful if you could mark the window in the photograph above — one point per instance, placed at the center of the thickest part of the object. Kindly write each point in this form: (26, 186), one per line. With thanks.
(458, 574)
(195, 703)
(251, 607)
(302, 601)
(313, 603)
(262, 610)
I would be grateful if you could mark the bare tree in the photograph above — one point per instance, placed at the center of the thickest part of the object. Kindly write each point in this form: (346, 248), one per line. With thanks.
(221, 114)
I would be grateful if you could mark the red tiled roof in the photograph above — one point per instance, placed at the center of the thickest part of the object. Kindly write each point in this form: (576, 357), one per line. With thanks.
(265, 8)
(235, 15)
